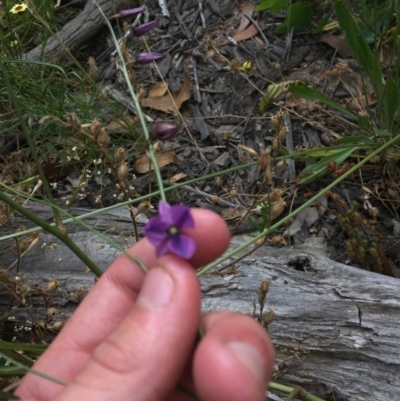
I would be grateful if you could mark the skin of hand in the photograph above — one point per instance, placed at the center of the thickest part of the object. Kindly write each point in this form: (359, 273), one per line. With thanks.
(135, 335)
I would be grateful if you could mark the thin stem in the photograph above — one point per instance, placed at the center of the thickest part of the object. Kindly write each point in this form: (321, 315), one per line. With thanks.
(138, 107)
(54, 231)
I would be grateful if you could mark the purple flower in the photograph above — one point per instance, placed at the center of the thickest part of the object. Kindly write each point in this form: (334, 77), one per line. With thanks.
(128, 13)
(165, 231)
(147, 58)
(163, 131)
(144, 28)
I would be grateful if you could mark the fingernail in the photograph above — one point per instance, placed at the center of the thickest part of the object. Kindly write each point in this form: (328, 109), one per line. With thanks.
(251, 358)
(157, 289)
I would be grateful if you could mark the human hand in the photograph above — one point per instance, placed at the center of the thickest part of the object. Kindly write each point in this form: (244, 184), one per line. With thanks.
(134, 335)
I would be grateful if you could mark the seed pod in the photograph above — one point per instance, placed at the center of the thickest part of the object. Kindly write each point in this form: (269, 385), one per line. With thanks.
(123, 172)
(119, 156)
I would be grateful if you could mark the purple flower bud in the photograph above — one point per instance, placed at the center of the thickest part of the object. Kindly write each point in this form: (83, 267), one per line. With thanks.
(163, 131)
(128, 13)
(147, 58)
(144, 28)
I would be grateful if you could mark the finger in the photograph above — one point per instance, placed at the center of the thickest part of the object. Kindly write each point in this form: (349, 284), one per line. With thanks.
(234, 361)
(140, 361)
(107, 304)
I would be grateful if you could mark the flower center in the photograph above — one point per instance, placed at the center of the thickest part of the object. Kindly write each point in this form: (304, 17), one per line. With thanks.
(173, 231)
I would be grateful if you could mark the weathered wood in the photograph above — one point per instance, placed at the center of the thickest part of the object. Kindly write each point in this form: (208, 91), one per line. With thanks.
(76, 32)
(336, 328)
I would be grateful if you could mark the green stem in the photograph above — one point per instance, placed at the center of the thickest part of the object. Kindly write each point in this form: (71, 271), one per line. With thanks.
(138, 108)
(288, 390)
(52, 230)
(36, 372)
(298, 210)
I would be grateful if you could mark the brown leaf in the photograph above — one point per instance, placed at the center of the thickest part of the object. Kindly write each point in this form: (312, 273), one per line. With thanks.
(339, 43)
(247, 8)
(169, 103)
(143, 164)
(246, 34)
(158, 89)
(177, 177)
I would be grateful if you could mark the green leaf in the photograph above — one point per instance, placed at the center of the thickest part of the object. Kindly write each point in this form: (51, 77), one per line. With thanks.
(318, 169)
(31, 348)
(298, 17)
(390, 103)
(323, 22)
(358, 45)
(303, 91)
(274, 5)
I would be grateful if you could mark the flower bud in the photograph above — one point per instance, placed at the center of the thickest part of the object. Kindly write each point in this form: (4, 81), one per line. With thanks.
(148, 57)
(144, 28)
(163, 131)
(128, 13)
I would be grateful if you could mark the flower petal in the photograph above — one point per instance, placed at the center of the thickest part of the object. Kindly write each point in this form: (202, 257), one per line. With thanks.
(182, 217)
(156, 230)
(182, 246)
(163, 247)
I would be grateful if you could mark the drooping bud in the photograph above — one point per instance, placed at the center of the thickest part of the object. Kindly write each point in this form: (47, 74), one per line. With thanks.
(163, 131)
(149, 57)
(144, 28)
(128, 13)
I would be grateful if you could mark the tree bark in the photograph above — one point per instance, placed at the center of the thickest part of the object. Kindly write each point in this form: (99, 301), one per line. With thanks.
(336, 329)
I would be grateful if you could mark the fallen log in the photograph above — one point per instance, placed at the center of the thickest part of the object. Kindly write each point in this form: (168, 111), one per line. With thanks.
(336, 327)
(76, 32)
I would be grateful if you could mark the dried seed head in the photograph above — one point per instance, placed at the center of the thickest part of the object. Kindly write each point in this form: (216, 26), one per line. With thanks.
(278, 240)
(123, 173)
(282, 134)
(268, 318)
(51, 312)
(73, 121)
(119, 156)
(95, 129)
(52, 285)
(102, 139)
(265, 161)
(277, 209)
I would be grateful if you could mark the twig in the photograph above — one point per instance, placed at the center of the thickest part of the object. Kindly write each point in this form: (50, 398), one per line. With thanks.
(196, 81)
(203, 20)
(164, 8)
(220, 201)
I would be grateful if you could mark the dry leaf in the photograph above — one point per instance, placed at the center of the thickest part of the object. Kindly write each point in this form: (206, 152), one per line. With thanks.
(169, 103)
(246, 34)
(339, 43)
(158, 89)
(177, 177)
(143, 164)
(247, 8)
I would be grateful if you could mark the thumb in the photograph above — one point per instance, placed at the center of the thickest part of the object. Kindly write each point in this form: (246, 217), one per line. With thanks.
(144, 357)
